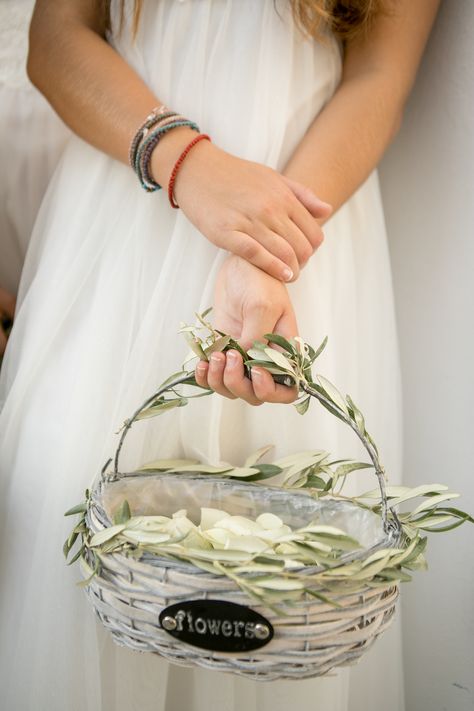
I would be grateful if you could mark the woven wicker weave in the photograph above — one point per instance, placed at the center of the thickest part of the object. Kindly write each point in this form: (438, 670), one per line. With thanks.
(310, 638)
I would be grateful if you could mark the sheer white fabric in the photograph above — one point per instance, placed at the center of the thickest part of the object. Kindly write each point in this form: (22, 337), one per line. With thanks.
(110, 273)
(14, 21)
(31, 140)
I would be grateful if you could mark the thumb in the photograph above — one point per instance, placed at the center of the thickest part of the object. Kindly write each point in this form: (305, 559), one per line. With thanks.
(317, 207)
(256, 322)
(286, 325)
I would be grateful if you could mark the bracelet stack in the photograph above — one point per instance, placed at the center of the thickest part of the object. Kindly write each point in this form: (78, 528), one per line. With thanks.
(148, 135)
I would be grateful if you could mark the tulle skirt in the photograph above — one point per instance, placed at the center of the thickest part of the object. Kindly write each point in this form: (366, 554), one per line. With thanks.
(32, 138)
(110, 273)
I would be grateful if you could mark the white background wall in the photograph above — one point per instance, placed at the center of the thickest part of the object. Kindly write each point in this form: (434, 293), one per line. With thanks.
(428, 188)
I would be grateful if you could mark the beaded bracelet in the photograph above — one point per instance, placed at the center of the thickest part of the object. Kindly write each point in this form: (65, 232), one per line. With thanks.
(157, 114)
(152, 121)
(146, 148)
(177, 166)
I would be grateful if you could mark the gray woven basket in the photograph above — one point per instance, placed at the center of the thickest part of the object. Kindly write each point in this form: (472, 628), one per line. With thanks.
(156, 604)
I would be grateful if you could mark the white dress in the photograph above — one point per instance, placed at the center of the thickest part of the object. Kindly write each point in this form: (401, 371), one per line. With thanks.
(110, 273)
(32, 138)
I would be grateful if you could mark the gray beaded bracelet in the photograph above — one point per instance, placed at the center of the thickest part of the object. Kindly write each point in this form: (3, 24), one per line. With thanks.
(156, 116)
(145, 149)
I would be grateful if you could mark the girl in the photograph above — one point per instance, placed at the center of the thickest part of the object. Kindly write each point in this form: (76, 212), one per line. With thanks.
(300, 99)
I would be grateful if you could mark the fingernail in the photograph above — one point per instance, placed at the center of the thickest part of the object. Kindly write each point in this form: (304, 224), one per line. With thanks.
(201, 366)
(216, 358)
(287, 274)
(232, 357)
(256, 373)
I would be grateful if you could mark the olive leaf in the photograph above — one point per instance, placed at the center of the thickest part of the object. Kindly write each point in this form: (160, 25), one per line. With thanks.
(302, 405)
(344, 469)
(279, 341)
(218, 345)
(316, 353)
(162, 407)
(122, 515)
(195, 346)
(256, 456)
(79, 508)
(106, 534)
(267, 559)
(356, 415)
(279, 359)
(433, 501)
(333, 393)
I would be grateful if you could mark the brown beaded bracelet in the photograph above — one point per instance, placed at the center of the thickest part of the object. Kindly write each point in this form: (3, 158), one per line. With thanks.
(177, 166)
(156, 115)
(147, 146)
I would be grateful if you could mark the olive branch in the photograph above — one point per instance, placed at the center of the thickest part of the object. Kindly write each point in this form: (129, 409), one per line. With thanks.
(313, 560)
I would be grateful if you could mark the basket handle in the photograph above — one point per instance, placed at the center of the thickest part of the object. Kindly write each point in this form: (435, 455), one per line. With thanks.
(189, 379)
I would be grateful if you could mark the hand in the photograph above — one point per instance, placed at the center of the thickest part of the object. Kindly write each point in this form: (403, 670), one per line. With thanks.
(247, 304)
(245, 207)
(7, 310)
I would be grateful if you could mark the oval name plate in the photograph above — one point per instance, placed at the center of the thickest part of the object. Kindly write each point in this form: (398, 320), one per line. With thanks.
(217, 625)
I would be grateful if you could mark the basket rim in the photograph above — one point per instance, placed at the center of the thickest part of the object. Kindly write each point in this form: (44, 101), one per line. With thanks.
(390, 539)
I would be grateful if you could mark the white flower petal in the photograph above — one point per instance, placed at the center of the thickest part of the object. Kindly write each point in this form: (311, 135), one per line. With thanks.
(269, 521)
(210, 517)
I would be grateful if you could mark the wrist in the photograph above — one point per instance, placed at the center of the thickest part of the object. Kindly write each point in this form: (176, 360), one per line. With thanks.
(167, 152)
(196, 169)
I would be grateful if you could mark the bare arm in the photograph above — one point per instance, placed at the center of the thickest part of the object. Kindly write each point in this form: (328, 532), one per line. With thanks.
(341, 148)
(95, 92)
(348, 138)
(89, 85)
(246, 208)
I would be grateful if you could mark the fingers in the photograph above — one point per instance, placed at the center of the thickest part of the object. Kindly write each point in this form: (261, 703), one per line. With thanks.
(236, 381)
(225, 374)
(310, 228)
(257, 322)
(309, 213)
(261, 388)
(282, 243)
(267, 390)
(299, 239)
(284, 240)
(210, 375)
(245, 246)
(316, 207)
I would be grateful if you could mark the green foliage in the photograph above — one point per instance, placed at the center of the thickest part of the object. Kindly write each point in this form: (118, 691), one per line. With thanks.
(314, 560)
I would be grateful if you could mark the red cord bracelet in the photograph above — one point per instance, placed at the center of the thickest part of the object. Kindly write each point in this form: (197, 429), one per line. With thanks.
(177, 166)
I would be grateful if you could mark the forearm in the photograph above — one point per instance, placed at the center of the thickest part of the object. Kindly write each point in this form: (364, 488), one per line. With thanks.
(91, 87)
(238, 205)
(347, 139)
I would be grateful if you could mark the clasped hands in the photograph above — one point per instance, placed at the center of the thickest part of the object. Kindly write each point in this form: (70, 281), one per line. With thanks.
(269, 224)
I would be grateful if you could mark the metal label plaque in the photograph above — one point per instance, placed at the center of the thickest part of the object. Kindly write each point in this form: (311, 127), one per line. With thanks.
(216, 625)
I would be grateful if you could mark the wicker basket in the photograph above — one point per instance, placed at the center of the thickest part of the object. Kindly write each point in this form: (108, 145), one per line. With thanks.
(156, 604)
